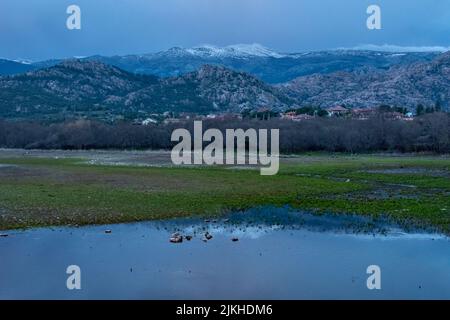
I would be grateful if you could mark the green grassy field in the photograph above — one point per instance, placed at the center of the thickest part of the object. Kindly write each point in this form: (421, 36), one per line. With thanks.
(46, 191)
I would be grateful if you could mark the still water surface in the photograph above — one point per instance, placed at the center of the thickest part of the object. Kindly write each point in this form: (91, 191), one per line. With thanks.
(280, 254)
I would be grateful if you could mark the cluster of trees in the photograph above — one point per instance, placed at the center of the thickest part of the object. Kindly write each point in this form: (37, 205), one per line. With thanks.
(430, 132)
(83, 134)
(320, 112)
(386, 108)
(259, 114)
(421, 109)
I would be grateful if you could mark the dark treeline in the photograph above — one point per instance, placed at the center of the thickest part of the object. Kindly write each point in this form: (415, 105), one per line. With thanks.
(430, 132)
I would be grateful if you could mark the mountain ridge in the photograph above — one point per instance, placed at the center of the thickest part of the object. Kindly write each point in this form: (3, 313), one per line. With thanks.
(83, 87)
(268, 65)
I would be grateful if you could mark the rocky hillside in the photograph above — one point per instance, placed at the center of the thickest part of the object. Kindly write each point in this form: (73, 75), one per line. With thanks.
(70, 86)
(404, 85)
(211, 88)
(87, 86)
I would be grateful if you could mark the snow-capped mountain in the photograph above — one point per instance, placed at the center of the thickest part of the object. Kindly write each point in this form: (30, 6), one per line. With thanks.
(244, 51)
(266, 64)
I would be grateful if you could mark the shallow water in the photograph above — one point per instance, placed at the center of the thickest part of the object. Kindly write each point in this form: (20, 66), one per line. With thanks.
(414, 171)
(280, 254)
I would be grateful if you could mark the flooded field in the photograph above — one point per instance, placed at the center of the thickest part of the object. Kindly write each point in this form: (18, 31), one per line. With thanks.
(107, 157)
(258, 254)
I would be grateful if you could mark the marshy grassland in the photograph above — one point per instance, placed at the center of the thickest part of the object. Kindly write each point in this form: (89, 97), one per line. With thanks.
(44, 190)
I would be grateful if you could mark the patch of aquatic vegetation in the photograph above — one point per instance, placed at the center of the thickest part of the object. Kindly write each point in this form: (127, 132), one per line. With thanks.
(269, 219)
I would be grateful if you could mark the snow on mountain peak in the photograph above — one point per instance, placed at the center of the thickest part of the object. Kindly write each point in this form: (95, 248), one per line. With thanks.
(21, 61)
(234, 51)
(253, 50)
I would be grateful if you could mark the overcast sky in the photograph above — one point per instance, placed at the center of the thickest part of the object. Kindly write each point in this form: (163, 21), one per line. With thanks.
(36, 29)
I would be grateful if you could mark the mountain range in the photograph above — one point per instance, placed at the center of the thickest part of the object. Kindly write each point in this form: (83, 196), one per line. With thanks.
(266, 64)
(210, 79)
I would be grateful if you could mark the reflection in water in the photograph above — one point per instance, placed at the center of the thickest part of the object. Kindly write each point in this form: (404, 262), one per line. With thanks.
(280, 254)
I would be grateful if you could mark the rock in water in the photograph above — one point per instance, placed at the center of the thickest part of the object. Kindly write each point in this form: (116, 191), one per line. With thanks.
(208, 236)
(176, 238)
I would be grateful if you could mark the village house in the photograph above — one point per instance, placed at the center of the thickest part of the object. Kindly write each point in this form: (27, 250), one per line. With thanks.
(293, 116)
(288, 115)
(337, 111)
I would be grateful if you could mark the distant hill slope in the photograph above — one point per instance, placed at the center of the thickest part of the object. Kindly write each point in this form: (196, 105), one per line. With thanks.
(8, 67)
